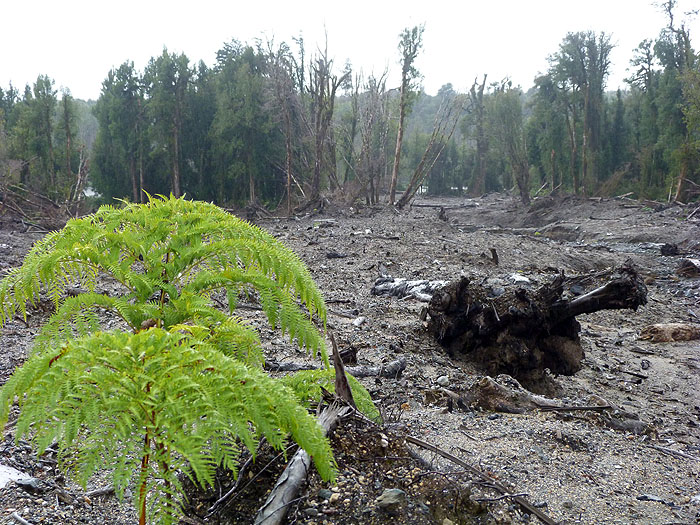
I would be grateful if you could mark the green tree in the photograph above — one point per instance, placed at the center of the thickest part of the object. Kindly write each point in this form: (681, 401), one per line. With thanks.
(197, 144)
(547, 147)
(506, 115)
(580, 67)
(118, 166)
(167, 79)
(247, 143)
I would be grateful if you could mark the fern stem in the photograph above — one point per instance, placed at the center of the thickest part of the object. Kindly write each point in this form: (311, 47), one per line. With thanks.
(164, 467)
(142, 488)
(162, 291)
(144, 463)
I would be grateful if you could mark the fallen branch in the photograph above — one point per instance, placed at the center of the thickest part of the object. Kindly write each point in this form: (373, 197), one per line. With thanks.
(224, 500)
(484, 477)
(105, 491)
(19, 519)
(594, 408)
(499, 498)
(672, 452)
(392, 369)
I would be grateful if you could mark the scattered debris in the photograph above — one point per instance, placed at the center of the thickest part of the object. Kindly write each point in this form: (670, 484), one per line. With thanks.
(670, 332)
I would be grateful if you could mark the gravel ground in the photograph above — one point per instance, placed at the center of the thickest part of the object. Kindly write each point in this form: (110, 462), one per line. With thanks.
(577, 467)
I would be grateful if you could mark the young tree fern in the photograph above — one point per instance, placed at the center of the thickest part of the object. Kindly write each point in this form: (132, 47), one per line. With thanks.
(180, 387)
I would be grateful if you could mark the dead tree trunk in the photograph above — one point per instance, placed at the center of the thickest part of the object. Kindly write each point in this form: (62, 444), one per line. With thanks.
(524, 332)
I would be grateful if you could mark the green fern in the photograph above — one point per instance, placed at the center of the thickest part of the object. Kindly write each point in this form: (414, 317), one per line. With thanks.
(113, 399)
(307, 385)
(180, 387)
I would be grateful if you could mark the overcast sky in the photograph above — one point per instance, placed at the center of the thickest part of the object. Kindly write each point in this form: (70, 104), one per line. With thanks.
(76, 42)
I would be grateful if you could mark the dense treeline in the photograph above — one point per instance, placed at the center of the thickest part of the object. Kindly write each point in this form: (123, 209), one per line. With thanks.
(271, 124)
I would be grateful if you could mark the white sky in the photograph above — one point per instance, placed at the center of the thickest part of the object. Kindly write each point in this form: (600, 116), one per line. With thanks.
(76, 42)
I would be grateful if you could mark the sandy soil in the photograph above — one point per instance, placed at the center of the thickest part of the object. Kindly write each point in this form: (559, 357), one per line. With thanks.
(577, 467)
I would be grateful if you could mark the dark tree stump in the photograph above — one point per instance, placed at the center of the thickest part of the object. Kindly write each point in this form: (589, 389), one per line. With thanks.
(523, 332)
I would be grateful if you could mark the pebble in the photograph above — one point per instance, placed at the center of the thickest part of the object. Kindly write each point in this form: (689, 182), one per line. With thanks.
(324, 494)
(359, 321)
(391, 498)
(443, 381)
(31, 485)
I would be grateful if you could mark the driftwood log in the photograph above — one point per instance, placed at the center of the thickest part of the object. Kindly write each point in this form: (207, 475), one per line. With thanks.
(523, 332)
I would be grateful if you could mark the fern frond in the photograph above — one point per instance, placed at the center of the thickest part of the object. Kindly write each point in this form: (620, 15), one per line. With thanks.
(105, 391)
(307, 384)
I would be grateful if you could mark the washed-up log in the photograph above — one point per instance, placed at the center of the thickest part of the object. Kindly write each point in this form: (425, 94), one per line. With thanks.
(523, 332)
(422, 290)
(506, 394)
(669, 332)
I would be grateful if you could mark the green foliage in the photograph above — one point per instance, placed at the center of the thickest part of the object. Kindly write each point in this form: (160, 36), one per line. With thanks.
(180, 387)
(307, 386)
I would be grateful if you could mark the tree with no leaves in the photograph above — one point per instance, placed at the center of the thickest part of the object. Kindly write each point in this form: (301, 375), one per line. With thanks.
(411, 40)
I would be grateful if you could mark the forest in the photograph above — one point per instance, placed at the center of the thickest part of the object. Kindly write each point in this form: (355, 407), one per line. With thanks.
(275, 125)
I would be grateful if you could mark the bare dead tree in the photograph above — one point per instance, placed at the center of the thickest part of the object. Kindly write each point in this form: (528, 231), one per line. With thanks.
(410, 43)
(374, 131)
(476, 101)
(446, 119)
(281, 73)
(322, 87)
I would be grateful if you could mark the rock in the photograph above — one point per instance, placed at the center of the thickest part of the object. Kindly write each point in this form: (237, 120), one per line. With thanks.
(334, 498)
(324, 494)
(443, 381)
(31, 485)
(311, 512)
(391, 499)
(669, 249)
